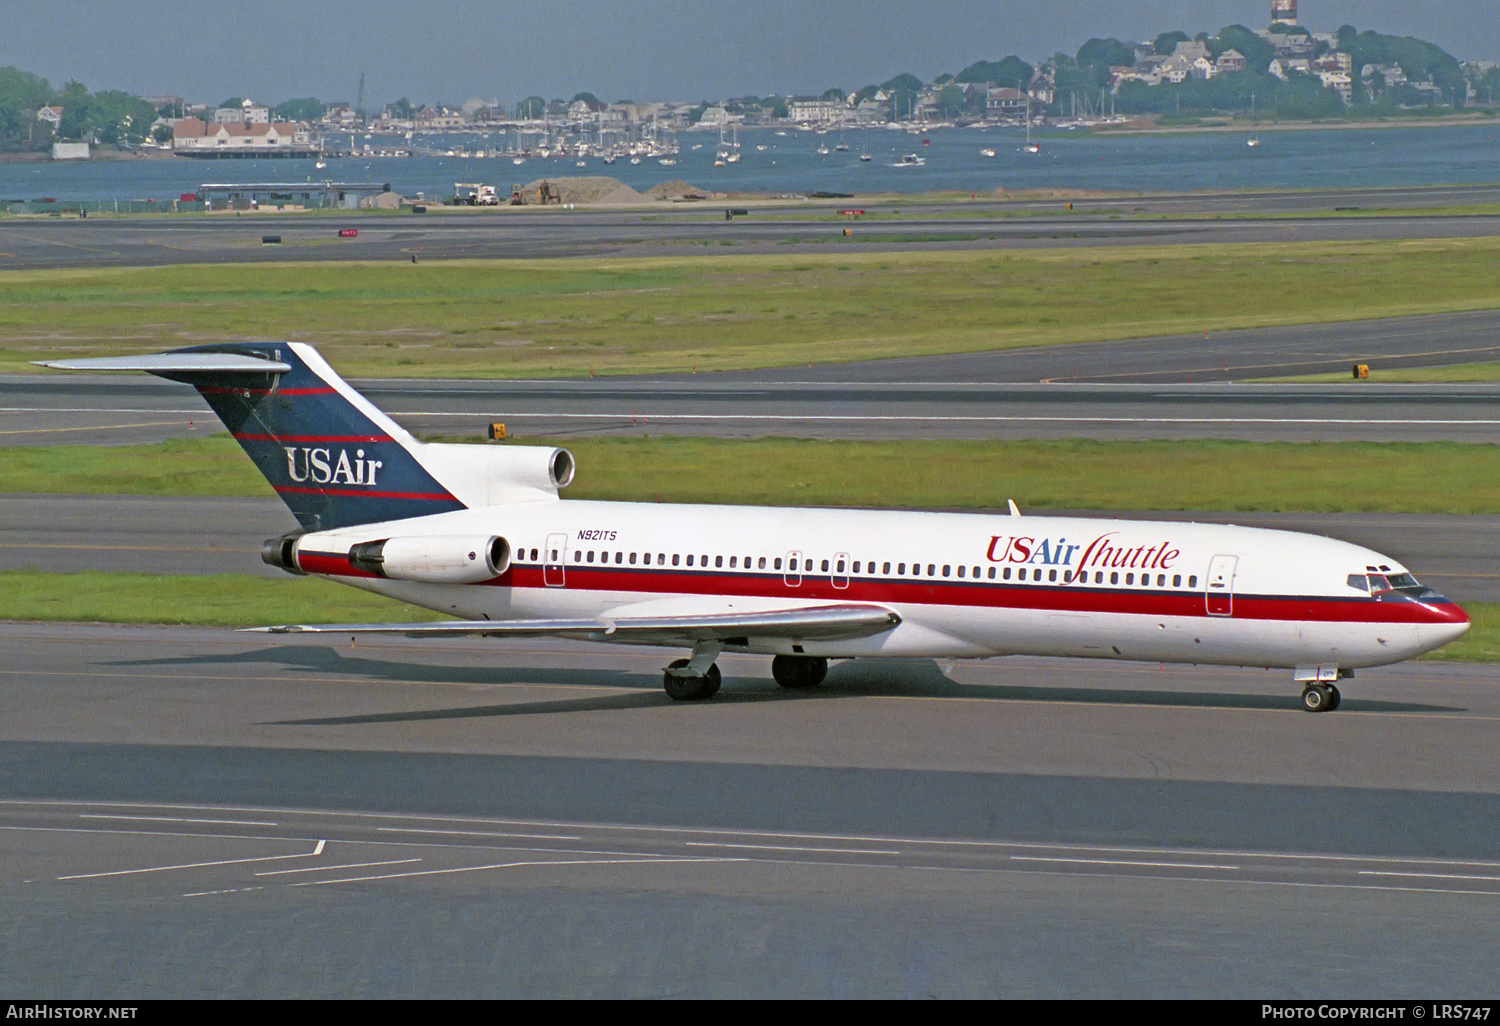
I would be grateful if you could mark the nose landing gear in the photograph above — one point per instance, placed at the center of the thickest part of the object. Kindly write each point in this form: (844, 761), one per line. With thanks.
(1320, 698)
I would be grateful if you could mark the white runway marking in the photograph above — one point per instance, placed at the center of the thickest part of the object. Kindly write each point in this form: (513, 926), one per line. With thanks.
(1120, 862)
(179, 819)
(197, 865)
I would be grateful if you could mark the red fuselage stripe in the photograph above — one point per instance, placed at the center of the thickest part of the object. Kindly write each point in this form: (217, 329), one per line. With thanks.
(1078, 598)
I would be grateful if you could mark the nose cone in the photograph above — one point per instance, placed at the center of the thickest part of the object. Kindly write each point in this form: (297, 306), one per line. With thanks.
(1443, 621)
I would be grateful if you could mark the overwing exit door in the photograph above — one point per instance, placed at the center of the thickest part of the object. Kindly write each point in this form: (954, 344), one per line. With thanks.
(554, 561)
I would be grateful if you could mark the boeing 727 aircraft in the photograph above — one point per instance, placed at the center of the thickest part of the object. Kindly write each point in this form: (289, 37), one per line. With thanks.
(479, 532)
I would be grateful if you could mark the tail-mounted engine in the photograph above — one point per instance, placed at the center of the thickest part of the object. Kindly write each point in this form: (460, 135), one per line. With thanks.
(434, 560)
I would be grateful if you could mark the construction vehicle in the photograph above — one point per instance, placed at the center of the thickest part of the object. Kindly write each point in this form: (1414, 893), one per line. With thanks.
(474, 194)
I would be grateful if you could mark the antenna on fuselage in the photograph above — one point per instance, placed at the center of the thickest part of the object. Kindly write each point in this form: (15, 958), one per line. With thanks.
(1013, 510)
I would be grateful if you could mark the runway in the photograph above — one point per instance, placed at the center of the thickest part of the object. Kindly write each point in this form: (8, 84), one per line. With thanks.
(1168, 387)
(298, 818)
(810, 226)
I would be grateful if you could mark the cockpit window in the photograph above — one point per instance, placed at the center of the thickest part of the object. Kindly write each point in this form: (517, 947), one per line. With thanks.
(1402, 584)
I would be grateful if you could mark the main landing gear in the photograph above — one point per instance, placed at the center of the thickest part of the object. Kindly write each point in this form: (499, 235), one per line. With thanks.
(698, 679)
(799, 671)
(1320, 698)
(691, 689)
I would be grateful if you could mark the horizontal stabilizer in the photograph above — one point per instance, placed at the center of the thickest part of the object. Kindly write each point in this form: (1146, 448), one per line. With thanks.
(809, 623)
(174, 363)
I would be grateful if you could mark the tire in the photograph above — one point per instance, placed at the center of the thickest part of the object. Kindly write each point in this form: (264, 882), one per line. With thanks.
(690, 689)
(1316, 699)
(799, 672)
(1334, 698)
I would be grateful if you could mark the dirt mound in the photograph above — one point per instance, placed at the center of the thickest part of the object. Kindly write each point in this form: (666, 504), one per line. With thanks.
(587, 189)
(675, 189)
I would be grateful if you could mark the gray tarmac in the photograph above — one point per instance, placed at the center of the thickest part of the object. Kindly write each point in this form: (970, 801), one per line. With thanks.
(1165, 387)
(526, 233)
(192, 813)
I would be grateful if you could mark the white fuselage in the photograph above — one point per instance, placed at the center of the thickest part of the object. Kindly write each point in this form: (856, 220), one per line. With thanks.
(964, 585)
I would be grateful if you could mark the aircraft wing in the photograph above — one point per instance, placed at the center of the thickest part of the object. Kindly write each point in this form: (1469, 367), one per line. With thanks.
(818, 623)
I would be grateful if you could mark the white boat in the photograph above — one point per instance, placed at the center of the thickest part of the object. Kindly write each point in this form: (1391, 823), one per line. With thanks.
(986, 153)
(910, 160)
(667, 162)
(1254, 140)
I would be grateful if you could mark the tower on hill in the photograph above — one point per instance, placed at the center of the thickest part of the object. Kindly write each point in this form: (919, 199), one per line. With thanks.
(1283, 12)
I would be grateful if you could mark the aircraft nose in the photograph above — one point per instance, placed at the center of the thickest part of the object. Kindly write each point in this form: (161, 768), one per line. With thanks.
(1445, 619)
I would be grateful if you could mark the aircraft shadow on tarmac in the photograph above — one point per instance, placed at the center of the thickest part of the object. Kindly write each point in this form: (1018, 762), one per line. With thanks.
(867, 678)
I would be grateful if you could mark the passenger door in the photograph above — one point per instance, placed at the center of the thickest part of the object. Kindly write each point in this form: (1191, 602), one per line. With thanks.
(793, 573)
(1219, 595)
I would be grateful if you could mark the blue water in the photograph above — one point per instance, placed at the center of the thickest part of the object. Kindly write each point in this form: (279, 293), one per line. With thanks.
(789, 164)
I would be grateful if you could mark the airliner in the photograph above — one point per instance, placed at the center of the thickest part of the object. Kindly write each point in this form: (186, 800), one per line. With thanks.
(480, 533)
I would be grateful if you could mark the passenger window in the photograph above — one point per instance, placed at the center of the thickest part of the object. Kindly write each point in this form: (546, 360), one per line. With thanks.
(577, 556)
(976, 572)
(1130, 578)
(840, 567)
(661, 559)
(992, 573)
(778, 563)
(1036, 575)
(1176, 580)
(1052, 575)
(931, 569)
(825, 566)
(675, 558)
(1161, 580)
(1098, 576)
(900, 568)
(632, 559)
(1114, 577)
(945, 569)
(1007, 573)
(1193, 581)
(703, 561)
(960, 571)
(762, 562)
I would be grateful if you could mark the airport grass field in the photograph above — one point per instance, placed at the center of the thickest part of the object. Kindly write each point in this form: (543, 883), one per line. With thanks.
(1408, 477)
(580, 316)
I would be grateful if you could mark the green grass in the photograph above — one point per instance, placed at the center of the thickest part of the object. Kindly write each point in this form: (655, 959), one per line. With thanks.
(1452, 374)
(1482, 643)
(218, 600)
(228, 600)
(718, 311)
(1430, 477)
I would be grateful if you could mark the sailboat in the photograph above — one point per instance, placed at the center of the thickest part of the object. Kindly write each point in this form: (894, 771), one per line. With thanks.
(733, 156)
(1030, 146)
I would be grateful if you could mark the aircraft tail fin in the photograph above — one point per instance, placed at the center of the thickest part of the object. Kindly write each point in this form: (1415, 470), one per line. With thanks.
(334, 458)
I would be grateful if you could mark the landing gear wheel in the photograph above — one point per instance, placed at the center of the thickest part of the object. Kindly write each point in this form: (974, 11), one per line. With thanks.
(1333, 697)
(799, 671)
(691, 689)
(1316, 698)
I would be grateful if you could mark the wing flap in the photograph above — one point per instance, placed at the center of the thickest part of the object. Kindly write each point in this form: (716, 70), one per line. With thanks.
(821, 623)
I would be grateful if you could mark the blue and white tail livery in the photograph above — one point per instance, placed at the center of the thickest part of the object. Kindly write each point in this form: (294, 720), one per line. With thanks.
(334, 459)
(479, 532)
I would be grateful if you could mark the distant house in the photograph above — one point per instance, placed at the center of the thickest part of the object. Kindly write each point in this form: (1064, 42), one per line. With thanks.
(191, 136)
(1230, 61)
(815, 109)
(1340, 83)
(1007, 103)
(51, 115)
